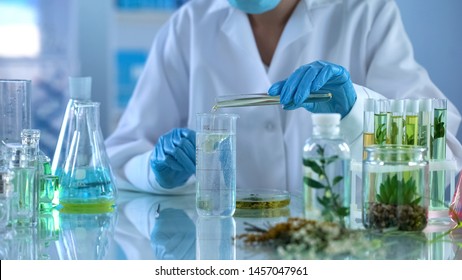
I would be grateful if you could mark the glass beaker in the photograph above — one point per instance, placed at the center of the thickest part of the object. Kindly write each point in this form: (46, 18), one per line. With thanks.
(216, 164)
(15, 110)
(395, 187)
(85, 176)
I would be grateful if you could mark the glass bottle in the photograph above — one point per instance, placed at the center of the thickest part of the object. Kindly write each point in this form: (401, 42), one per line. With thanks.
(85, 176)
(30, 139)
(6, 193)
(326, 181)
(23, 207)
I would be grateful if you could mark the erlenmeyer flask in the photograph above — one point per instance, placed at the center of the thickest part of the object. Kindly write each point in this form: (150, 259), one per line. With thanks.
(79, 91)
(85, 176)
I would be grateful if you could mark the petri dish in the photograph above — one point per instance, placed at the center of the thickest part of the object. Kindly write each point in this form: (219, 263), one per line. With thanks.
(262, 199)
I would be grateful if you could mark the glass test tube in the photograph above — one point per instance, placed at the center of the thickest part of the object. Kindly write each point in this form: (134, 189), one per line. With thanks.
(380, 121)
(412, 122)
(424, 130)
(397, 122)
(368, 124)
(438, 152)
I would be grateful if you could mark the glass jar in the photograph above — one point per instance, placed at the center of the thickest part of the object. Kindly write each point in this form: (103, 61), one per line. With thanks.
(395, 187)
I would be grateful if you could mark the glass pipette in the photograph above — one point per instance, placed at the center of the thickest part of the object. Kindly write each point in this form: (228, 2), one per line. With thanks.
(260, 99)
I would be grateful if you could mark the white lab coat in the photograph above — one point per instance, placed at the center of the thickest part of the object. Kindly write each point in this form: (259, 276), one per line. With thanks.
(207, 49)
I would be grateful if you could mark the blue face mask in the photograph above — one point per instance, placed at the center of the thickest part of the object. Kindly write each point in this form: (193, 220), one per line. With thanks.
(254, 6)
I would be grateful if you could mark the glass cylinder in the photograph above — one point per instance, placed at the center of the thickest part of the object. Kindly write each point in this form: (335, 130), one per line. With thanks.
(216, 164)
(15, 110)
(395, 187)
(85, 176)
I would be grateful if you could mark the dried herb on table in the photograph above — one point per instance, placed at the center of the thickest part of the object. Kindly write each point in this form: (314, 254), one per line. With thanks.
(300, 238)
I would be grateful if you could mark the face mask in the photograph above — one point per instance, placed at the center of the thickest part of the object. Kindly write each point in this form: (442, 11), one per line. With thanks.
(254, 6)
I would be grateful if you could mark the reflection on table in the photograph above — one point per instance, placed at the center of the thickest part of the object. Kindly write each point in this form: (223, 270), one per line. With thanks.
(144, 226)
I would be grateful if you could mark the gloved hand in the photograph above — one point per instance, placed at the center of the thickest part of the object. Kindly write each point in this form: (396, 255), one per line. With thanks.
(173, 159)
(317, 77)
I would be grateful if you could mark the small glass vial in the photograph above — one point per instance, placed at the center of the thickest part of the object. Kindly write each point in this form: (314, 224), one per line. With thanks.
(326, 181)
(395, 187)
(24, 197)
(6, 193)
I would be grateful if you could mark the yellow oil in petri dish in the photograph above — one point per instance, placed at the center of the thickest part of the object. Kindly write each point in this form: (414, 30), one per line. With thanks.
(262, 199)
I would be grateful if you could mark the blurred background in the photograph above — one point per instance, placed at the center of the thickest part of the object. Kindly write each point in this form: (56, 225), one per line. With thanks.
(47, 41)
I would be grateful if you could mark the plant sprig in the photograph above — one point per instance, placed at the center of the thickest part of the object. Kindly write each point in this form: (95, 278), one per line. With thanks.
(331, 202)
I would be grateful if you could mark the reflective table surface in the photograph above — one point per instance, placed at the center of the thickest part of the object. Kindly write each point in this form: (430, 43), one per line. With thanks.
(146, 227)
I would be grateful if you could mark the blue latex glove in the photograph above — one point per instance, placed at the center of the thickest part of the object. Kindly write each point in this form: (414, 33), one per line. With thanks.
(317, 77)
(173, 159)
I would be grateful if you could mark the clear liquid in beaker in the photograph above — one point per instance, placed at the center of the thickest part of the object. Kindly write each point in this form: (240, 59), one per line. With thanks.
(216, 174)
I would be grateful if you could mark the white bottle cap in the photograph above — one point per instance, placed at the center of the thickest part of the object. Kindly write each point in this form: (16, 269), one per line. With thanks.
(329, 119)
(80, 88)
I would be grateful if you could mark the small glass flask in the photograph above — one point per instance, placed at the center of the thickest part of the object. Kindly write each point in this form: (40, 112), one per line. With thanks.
(6, 193)
(326, 180)
(85, 176)
(395, 187)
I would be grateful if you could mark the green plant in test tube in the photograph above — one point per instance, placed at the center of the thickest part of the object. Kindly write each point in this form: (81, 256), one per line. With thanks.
(438, 152)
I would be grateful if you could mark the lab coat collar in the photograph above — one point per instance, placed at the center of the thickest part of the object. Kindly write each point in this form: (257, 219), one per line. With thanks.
(237, 28)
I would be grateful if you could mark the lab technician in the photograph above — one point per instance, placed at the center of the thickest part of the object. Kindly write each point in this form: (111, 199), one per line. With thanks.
(355, 49)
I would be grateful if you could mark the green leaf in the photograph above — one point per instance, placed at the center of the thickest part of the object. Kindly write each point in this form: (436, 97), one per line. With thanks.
(331, 159)
(324, 201)
(337, 179)
(416, 201)
(343, 211)
(314, 166)
(313, 183)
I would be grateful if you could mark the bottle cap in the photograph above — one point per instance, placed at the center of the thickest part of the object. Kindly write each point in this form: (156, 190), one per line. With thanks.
(80, 88)
(326, 119)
